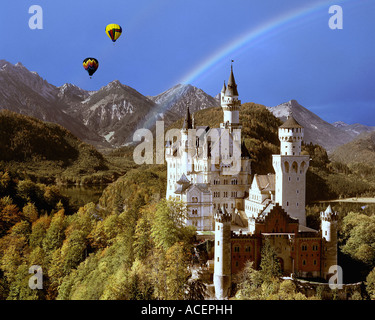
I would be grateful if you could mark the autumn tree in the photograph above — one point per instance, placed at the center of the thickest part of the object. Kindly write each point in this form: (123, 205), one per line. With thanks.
(358, 233)
(370, 284)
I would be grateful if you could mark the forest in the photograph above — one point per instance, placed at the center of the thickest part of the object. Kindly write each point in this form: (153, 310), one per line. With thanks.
(133, 244)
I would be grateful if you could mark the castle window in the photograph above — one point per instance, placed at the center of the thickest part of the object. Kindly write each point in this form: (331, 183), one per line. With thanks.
(286, 165)
(304, 247)
(218, 243)
(294, 166)
(304, 262)
(236, 249)
(315, 247)
(218, 227)
(247, 249)
(315, 262)
(217, 259)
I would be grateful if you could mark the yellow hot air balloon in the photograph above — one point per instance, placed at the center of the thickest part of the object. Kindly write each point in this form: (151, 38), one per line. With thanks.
(113, 31)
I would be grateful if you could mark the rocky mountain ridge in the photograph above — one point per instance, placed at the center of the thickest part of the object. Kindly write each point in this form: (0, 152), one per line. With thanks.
(107, 118)
(316, 129)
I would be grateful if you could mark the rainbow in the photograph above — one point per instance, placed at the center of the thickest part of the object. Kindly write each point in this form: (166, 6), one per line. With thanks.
(259, 33)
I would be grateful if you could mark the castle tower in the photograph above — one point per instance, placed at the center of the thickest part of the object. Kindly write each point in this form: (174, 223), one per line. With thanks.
(222, 271)
(290, 169)
(187, 145)
(329, 235)
(230, 104)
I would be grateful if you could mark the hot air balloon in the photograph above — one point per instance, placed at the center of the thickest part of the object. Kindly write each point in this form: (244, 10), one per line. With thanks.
(113, 31)
(90, 65)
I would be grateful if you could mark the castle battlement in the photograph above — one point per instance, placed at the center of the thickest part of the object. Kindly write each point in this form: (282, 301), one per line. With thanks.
(222, 216)
(329, 215)
(235, 235)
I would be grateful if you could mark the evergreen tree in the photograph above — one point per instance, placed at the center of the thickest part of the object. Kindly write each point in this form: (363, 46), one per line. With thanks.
(269, 265)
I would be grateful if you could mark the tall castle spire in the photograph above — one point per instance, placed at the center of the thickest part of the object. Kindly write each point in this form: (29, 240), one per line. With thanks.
(230, 103)
(231, 90)
(187, 121)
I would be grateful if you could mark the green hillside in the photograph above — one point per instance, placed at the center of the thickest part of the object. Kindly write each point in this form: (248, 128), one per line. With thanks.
(47, 152)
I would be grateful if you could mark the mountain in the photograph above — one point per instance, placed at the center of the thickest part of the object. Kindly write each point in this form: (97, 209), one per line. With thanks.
(177, 98)
(109, 117)
(114, 112)
(72, 95)
(359, 150)
(105, 118)
(353, 129)
(25, 92)
(316, 129)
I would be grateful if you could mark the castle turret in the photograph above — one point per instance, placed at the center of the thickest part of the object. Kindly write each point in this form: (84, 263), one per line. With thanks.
(290, 168)
(329, 236)
(222, 92)
(187, 144)
(230, 104)
(290, 136)
(222, 271)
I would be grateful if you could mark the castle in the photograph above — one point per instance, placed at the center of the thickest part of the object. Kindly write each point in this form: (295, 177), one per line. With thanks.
(209, 169)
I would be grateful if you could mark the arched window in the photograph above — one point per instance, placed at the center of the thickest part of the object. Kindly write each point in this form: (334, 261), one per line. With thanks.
(286, 165)
(294, 167)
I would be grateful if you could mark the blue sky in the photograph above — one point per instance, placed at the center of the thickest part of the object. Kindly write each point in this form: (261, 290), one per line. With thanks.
(283, 50)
